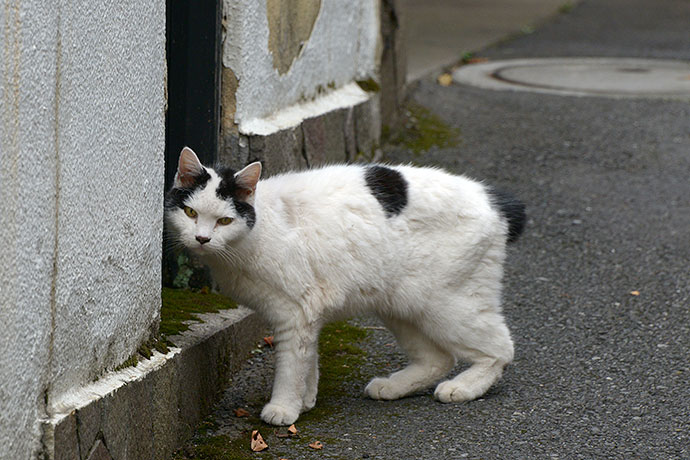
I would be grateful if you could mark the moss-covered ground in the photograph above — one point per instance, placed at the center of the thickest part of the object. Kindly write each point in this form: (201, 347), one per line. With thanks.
(340, 358)
(420, 129)
(181, 305)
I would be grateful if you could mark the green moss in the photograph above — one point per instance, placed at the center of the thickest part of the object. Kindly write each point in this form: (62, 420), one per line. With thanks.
(131, 362)
(161, 346)
(566, 8)
(222, 447)
(339, 355)
(145, 350)
(467, 57)
(421, 130)
(340, 359)
(370, 85)
(183, 305)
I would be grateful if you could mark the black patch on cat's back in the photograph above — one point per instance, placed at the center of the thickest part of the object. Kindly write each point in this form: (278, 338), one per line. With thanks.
(227, 190)
(389, 187)
(512, 210)
(176, 197)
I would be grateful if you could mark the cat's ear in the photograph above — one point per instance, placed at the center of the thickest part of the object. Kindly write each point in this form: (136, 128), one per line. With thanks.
(247, 179)
(188, 168)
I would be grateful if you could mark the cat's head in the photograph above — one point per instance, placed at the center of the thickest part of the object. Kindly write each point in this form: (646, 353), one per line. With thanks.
(207, 210)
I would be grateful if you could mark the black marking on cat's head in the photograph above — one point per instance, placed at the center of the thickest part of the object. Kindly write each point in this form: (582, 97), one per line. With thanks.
(177, 196)
(228, 190)
(389, 187)
(511, 209)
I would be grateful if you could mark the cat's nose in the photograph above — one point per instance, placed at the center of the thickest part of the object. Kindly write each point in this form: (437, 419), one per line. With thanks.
(203, 239)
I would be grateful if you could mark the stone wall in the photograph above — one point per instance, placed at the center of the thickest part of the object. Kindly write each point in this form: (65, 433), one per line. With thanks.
(290, 70)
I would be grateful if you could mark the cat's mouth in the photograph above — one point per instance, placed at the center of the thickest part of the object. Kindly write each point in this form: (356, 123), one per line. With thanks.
(200, 249)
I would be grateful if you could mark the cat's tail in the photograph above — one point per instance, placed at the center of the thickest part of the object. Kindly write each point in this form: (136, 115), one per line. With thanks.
(512, 210)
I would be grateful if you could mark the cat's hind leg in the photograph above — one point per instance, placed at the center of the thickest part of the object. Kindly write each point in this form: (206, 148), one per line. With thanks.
(428, 363)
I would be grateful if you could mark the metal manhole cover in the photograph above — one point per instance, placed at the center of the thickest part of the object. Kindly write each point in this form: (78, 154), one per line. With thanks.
(612, 77)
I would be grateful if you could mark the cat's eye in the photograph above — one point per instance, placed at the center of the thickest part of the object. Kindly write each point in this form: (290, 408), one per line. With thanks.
(225, 220)
(190, 212)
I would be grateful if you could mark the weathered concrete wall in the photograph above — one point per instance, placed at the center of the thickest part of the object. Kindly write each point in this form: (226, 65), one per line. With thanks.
(81, 181)
(290, 51)
(110, 125)
(28, 34)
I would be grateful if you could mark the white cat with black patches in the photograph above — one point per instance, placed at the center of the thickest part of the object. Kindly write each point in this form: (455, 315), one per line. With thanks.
(420, 248)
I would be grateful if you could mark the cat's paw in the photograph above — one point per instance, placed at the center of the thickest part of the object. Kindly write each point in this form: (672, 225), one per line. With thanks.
(275, 414)
(383, 388)
(308, 402)
(451, 391)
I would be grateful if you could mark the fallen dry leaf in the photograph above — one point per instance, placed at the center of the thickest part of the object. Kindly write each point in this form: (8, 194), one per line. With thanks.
(239, 412)
(477, 60)
(445, 79)
(635, 293)
(258, 443)
(292, 429)
(269, 341)
(316, 445)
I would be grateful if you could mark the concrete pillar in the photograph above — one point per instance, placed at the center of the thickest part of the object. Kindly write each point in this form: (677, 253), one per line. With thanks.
(82, 102)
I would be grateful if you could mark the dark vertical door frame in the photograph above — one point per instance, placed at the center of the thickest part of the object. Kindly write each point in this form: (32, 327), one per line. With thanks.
(193, 46)
(194, 73)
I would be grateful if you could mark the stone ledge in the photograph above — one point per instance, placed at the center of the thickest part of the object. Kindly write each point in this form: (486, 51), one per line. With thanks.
(147, 411)
(335, 133)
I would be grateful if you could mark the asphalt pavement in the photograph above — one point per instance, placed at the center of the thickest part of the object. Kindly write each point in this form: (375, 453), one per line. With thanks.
(597, 290)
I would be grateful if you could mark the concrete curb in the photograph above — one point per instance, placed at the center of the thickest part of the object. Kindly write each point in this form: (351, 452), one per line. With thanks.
(147, 411)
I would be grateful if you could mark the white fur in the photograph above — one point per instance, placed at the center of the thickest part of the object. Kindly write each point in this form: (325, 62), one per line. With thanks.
(322, 248)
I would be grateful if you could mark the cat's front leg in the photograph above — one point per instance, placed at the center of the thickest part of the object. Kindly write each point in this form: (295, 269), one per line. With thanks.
(296, 349)
(312, 383)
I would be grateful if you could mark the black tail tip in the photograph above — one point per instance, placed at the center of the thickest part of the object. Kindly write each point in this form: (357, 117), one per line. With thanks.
(512, 210)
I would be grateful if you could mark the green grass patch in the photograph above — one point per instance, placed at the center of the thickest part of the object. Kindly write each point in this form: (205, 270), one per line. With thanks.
(180, 305)
(420, 130)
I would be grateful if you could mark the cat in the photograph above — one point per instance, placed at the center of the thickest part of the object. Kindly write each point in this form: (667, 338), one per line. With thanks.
(420, 248)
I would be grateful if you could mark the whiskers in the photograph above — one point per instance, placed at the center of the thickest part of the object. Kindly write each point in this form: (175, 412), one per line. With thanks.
(172, 242)
(229, 255)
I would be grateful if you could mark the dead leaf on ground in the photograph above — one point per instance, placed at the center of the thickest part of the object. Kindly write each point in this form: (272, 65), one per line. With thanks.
(635, 293)
(258, 444)
(477, 60)
(445, 79)
(291, 431)
(239, 412)
(316, 445)
(269, 341)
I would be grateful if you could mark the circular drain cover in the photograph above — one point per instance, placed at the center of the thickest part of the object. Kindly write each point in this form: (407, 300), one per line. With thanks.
(612, 77)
